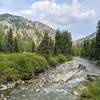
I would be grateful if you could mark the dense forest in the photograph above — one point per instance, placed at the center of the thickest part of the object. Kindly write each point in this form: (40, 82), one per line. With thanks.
(90, 48)
(14, 43)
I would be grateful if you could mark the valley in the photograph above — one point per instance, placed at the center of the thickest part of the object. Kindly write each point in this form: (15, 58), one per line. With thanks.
(38, 62)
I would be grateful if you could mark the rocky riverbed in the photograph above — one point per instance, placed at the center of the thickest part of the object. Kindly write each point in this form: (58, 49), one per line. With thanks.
(54, 83)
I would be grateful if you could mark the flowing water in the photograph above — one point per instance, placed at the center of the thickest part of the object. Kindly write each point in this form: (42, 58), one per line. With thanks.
(53, 84)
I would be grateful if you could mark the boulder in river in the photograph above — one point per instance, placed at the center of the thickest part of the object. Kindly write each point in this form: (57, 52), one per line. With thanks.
(91, 77)
(3, 87)
(76, 93)
(37, 90)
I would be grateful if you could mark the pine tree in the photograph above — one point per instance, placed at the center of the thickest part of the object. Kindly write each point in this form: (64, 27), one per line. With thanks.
(63, 43)
(33, 47)
(10, 42)
(1, 47)
(97, 47)
(44, 47)
(16, 47)
(57, 42)
(92, 49)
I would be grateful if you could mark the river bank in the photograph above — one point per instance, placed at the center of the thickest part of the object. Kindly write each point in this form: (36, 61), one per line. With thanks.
(53, 85)
(21, 68)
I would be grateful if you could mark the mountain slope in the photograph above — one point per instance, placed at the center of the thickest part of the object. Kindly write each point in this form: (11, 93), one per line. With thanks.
(25, 27)
(81, 40)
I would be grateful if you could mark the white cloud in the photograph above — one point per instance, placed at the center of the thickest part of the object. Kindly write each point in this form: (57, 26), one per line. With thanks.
(58, 14)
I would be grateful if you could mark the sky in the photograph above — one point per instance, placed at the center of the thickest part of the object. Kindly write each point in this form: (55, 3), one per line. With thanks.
(79, 17)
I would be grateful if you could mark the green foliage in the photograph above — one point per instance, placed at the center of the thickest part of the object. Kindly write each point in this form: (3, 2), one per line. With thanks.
(7, 73)
(69, 58)
(16, 46)
(61, 58)
(90, 48)
(97, 47)
(86, 50)
(33, 47)
(14, 42)
(53, 61)
(9, 45)
(92, 91)
(16, 66)
(63, 43)
(45, 47)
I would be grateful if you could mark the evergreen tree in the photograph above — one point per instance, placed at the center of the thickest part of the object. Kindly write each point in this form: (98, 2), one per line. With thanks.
(33, 47)
(97, 47)
(92, 49)
(44, 47)
(85, 49)
(63, 43)
(10, 42)
(1, 47)
(57, 42)
(16, 47)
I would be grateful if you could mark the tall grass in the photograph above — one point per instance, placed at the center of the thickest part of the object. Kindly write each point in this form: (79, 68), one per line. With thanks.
(92, 91)
(23, 66)
(20, 66)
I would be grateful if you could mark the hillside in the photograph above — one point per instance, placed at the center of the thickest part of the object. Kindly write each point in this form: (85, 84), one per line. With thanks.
(24, 27)
(81, 40)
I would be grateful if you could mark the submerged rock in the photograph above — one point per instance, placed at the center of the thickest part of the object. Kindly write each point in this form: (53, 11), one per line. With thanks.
(76, 93)
(23, 95)
(37, 90)
(5, 98)
(91, 77)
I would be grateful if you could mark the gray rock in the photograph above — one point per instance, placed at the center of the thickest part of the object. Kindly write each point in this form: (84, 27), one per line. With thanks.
(91, 77)
(76, 93)
(3, 87)
(37, 90)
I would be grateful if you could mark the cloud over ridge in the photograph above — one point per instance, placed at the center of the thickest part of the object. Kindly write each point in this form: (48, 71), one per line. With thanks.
(50, 12)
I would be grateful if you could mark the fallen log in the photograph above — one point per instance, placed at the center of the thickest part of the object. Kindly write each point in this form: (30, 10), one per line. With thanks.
(68, 78)
(72, 74)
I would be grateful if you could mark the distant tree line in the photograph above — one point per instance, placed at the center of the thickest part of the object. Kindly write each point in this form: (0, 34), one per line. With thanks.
(13, 42)
(89, 48)
(61, 45)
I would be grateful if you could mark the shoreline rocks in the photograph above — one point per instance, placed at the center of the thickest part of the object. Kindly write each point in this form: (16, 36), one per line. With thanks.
(11, 85)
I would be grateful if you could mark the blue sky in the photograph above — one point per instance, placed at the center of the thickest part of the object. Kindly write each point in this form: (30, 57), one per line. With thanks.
(77, 16)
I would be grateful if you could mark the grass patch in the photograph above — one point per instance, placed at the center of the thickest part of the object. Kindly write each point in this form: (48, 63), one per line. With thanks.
(15, 66)
(53, 61)
(92, 91)
(61, 58)
(20, 66)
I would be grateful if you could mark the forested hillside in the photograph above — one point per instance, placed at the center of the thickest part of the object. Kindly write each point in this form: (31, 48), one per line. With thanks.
(24, 32)
(28, 48)
(89, 47)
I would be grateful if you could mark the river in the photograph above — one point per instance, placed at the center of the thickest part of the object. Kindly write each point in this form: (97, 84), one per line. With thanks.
(52, 85)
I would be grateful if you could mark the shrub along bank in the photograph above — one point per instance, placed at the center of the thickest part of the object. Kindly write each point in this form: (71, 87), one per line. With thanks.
(92, 91)
(15, 66)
